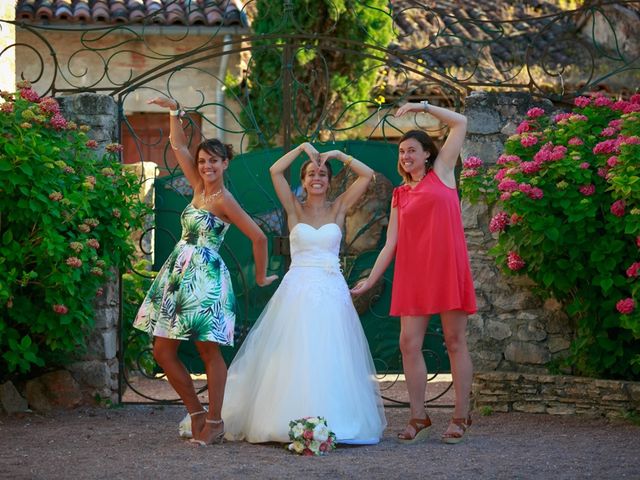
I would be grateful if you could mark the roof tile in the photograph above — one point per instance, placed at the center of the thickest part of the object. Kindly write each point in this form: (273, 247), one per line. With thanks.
(164, 12)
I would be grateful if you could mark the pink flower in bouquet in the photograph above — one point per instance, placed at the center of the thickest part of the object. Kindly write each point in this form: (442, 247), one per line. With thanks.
(528, 140)
(472, 162)
(535, 112)
(587, 190)
(308, 434)
(612, 161)
(617, 208)
(523, 127)
(29, 94)
(626, 306)
(60, 309)
(581, 102)
(514, 262)
(633, 270)
(499, 222)
(525, 188)
(575, 141)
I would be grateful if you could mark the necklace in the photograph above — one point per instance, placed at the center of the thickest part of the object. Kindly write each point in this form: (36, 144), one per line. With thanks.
(207, 198)
(415, 182)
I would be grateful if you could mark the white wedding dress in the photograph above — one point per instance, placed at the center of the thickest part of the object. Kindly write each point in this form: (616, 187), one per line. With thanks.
(307, 354)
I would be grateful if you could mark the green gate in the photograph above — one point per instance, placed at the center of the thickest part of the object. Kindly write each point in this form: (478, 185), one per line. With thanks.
(249, 180)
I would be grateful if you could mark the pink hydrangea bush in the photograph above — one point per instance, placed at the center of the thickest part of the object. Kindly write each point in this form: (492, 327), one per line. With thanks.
(567, 196)
(59, 232)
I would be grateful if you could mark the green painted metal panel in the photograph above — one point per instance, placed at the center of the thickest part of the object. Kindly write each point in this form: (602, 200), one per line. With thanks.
(249, 181)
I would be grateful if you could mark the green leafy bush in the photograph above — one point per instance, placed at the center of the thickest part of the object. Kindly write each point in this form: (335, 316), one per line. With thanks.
(333, 81)
(66, 217)
(568, 191)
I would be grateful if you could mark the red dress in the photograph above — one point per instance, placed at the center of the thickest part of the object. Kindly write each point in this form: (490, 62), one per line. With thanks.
(432, 272)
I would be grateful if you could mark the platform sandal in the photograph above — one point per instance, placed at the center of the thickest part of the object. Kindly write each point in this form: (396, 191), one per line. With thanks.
(421, 427)
(456, 437)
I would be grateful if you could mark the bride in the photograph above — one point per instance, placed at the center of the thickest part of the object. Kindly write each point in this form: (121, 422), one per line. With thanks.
(307, 354)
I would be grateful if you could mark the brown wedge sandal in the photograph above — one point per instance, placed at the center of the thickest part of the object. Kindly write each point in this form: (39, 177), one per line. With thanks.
(421, 427)
(456, 437)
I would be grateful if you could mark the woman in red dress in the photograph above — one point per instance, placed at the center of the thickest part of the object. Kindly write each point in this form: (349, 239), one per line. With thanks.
(432, 273)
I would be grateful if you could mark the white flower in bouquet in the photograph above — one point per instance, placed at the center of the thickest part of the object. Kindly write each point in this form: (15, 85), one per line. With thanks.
(297, 430)
(321, 432)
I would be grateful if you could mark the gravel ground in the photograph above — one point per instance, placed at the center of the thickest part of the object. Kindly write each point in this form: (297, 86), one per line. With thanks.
(141, 442)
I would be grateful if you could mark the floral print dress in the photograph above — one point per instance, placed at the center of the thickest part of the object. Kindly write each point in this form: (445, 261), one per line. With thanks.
(192, 296)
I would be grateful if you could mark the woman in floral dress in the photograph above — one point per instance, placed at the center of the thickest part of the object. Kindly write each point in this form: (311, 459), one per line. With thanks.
(192, 296)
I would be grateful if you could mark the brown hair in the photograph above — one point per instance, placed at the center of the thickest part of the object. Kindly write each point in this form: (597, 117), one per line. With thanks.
(216, 147)
(427, 144)
(303, 169)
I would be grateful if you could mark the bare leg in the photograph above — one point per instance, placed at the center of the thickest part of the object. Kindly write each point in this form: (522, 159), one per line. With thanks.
(165, 351)
(454, 325)
(412, 331)
(216, 380)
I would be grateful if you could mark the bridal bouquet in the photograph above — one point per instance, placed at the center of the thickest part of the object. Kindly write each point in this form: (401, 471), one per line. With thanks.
(311, 436)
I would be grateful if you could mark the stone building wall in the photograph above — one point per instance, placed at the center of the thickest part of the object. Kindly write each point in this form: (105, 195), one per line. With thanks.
(97, 371)
(514, 330)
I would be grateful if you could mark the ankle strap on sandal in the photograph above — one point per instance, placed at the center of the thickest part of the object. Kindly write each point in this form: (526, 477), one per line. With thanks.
(214, 422)
(194, 414)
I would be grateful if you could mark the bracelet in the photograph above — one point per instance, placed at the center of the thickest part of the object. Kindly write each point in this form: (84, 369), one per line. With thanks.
(174, 113)
(425, 105)
(348, 162)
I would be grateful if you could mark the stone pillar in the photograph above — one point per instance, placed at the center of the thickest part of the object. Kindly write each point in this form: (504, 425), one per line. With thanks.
(97, 371)
(7, 38)
(514, 330)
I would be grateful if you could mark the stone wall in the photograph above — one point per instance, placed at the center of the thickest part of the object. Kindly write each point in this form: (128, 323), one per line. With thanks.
(555, 394)
(97, 371)
(513, 330)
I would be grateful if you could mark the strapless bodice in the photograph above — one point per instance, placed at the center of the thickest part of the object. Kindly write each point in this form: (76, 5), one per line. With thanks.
(315, 247)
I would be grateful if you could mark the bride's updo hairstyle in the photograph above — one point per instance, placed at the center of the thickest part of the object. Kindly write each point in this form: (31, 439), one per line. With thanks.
(217, 148)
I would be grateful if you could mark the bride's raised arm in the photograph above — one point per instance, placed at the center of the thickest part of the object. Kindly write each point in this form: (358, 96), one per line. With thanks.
(282, 187)
(350, 196)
